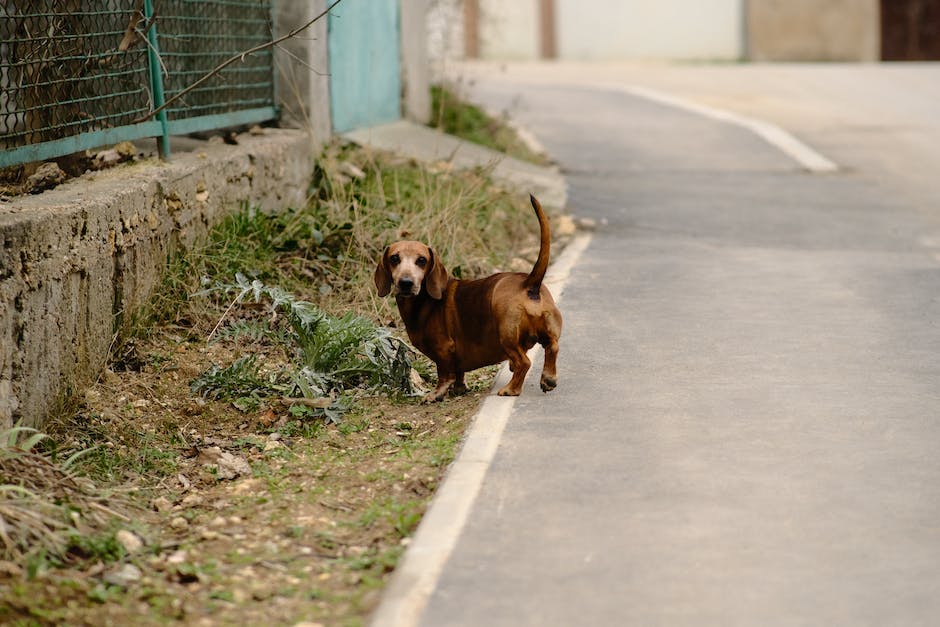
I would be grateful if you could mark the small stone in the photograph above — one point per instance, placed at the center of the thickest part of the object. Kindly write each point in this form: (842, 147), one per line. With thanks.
(274, 436)
(226, 465)
(192, 500)
(179, 523)
(127, 150)
(129, 540)
(110, 378)
(218, 521)
(586, 224)
(123, 576)
(177, 557)
(209, 534)
(256, 130)
(272, 445)
(162, 504)
(46, 176)
(563, 225)
(140, 403)
(240, 595)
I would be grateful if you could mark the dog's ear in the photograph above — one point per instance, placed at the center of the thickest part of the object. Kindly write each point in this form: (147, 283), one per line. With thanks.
(436, 277)
(383, 278)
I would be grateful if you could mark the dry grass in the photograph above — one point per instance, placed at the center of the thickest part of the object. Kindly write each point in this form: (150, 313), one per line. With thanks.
(42, 504)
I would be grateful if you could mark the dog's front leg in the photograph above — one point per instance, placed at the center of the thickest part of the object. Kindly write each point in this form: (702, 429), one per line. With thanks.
(445, 377)
(459, 387)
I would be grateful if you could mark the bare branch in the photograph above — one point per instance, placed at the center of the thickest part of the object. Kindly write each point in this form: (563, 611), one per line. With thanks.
(238, 57)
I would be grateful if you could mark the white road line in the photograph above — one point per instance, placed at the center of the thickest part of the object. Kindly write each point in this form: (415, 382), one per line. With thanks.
(416, 576)
(807, 157)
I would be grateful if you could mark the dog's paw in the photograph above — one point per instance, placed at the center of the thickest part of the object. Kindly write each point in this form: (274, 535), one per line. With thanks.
(433, 397)
(547, 383)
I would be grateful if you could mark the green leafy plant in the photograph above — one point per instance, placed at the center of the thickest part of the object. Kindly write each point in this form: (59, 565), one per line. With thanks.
(333, 356)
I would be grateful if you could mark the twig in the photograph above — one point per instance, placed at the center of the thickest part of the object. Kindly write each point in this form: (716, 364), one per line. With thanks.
(224, 314)
(240, 56)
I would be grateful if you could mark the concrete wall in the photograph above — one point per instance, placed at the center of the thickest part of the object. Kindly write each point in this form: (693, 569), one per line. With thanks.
(445, 36)
(416, 73)
(75, 258)
(814, 30)
(649, 29)
(303, 70)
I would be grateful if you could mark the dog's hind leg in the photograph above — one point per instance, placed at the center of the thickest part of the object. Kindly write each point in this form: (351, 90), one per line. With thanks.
(519, 363)
(548, 338)
(549, 377)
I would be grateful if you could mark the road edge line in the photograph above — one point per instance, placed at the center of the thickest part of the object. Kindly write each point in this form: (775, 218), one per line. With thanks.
(415, 579)
(808, 158)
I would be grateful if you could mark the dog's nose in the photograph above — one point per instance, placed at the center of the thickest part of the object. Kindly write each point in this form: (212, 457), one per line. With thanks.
(405, 285)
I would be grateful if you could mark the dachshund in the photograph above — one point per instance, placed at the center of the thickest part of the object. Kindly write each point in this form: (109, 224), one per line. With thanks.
(464, 325)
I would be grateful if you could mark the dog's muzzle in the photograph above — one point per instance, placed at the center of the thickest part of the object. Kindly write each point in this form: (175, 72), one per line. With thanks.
(406, 287)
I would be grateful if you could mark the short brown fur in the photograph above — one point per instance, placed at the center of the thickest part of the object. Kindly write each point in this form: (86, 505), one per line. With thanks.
(464, 325)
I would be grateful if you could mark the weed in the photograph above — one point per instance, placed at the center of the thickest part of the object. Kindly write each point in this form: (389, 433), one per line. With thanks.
(455, 116)
(103, 547)
(336, 356)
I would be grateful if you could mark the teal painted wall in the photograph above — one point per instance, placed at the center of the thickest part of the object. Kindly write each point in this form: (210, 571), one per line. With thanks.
(365, 63)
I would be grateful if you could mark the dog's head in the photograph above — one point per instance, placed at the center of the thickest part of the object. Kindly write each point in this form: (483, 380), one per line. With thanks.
(407, 266)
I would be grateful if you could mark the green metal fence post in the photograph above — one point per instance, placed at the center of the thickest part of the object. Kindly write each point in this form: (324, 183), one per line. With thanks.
(156, 79)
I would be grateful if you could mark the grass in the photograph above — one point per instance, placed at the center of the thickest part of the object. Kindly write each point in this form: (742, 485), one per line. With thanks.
(257, 343)
(455, 116)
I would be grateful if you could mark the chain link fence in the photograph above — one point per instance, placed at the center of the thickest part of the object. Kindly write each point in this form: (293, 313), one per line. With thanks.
(76, 74)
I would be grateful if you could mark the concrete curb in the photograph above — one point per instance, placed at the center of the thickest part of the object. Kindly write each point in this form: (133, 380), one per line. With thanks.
(429, 145)
(77, 258)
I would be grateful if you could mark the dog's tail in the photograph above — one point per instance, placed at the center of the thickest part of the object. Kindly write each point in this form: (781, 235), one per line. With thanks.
(533, 282)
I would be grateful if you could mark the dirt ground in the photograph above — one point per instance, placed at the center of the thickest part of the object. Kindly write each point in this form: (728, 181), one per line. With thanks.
(257, 516)
(258, 510)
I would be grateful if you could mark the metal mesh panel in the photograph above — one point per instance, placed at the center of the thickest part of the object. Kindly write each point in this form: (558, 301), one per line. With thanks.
(75, 73)
(62, 71)
(198, 35)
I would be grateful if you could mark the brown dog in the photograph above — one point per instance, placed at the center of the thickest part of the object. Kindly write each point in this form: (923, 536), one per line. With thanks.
(465, 325)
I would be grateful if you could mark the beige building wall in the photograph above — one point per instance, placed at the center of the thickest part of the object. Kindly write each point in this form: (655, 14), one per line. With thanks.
(813, 30)
(650, 29)
(509, 29)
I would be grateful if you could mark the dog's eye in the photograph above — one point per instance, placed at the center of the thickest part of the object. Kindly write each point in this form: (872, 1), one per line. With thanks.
(394, 260)
(422, 261)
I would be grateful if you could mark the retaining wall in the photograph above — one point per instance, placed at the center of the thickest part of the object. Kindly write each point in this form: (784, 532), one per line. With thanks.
(76, 258)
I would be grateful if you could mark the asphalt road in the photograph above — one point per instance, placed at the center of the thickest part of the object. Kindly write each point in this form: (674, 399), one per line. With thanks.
(746, 426)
